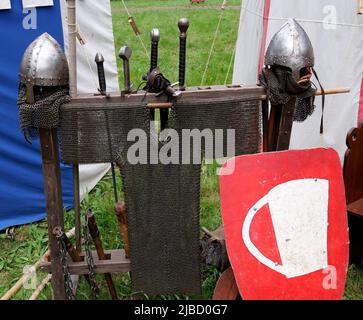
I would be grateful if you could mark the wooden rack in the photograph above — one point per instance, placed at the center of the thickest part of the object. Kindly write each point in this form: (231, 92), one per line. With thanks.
(276, 122)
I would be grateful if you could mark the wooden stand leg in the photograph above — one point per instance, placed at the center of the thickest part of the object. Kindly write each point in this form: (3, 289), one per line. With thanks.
(265, 125)
(273, 126)
(77, 213)
(54, 205)
(287, 119)
(280, 126)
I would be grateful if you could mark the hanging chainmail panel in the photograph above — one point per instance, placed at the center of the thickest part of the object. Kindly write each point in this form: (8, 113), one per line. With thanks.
(244, 117)
(280, 86)
(98, 134)
(162, 200)
(162, 203)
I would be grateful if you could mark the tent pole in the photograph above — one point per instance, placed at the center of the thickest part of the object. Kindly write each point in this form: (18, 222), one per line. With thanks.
(72, 56)
(72, 48)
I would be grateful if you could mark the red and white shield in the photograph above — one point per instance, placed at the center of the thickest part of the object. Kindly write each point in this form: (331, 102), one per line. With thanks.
(285, 223)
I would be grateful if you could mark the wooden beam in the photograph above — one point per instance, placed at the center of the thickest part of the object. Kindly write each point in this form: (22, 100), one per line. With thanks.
(116, 263)
(246, 93)
(152, 100)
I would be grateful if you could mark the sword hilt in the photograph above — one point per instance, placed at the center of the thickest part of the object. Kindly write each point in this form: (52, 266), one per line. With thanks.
(101, 72)
(155, 37)
(125, 54)
(183, 25)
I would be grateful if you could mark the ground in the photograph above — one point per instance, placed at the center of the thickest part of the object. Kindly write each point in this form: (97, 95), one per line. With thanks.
(31, 240)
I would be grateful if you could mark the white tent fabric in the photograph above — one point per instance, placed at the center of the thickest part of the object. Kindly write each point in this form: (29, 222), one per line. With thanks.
(37, 3)
(336, 32)
(5, 4)
(95, 24)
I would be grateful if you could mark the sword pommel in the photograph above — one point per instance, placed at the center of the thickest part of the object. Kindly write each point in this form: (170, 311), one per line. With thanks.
(99, 58)
(155, 35)
(183, 25)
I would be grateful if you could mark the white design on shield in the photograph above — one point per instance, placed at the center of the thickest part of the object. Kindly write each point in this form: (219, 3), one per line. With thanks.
(299, 212)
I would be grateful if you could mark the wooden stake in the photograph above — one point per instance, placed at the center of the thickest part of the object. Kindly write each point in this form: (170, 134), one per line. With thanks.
(39, 289)
(123, 225)
(19, 284)
(95, 234)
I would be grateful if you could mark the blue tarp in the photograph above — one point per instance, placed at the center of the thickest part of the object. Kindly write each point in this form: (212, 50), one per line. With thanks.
(21, 182)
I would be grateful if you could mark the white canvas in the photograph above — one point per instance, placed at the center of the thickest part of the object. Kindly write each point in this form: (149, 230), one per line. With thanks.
(37, 3)
(99, 37)
(5, 4)
(339, 61)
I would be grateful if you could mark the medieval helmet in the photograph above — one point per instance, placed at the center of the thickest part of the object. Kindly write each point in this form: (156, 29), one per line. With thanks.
(291, 48)
(44, 63)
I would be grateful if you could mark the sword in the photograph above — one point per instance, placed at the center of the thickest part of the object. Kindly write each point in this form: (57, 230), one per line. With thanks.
(155, 37)
(125, 54)
(102, 81)
(183, 25)
(101, 73)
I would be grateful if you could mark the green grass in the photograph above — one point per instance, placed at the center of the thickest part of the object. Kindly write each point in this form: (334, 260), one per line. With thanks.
(31, 240)
(200, 36)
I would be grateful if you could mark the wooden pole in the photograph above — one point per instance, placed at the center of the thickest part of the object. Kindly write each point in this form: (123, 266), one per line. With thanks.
(331, 91)
(273, 127)
(72, 57)
(19, 284)
(285, 127)
(264, 107)
(54, 205)
(39, 289)
(77, 209)
(72, 47)
(53, 197)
